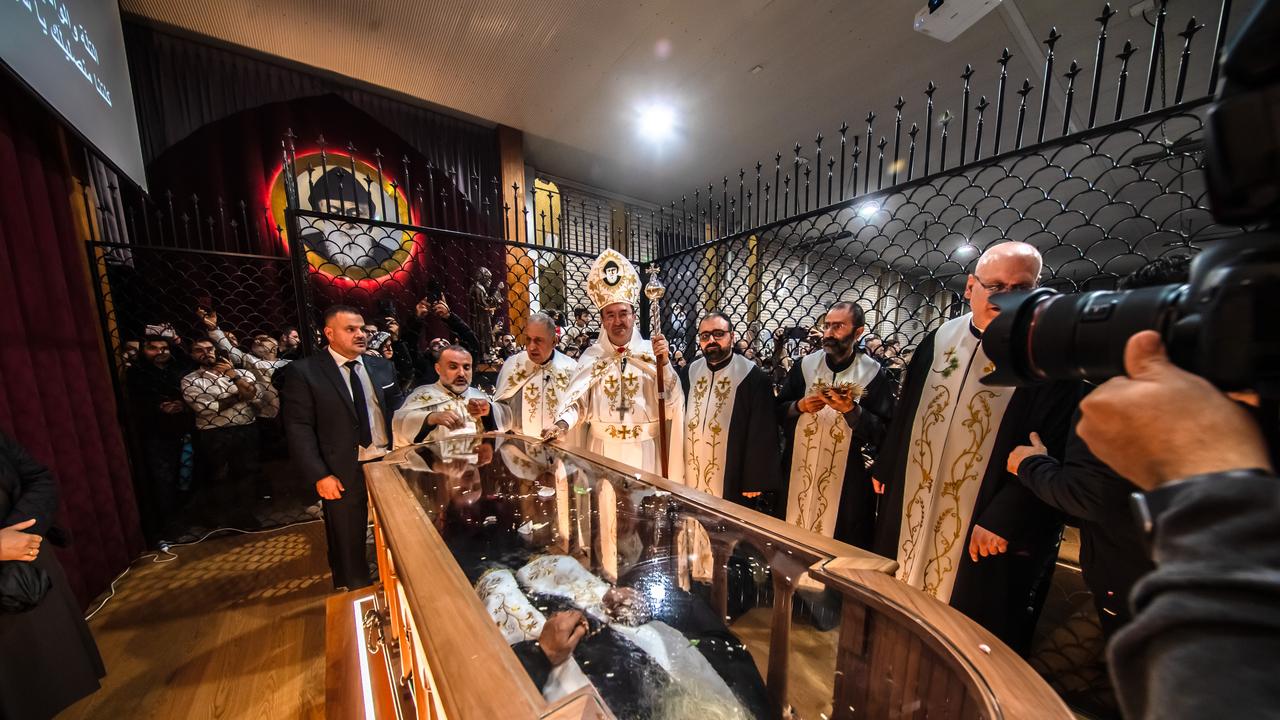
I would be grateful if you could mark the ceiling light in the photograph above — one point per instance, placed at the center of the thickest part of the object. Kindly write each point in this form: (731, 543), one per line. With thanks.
(757, 69)
(657, 122)
(866, 210)
(967, 249)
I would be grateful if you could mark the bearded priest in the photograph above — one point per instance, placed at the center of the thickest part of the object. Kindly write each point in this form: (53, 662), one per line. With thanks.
(834, 402)
(448, 407)
(730, 428)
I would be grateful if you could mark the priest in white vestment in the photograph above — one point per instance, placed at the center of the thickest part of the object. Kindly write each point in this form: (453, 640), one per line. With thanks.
(730, 427)
(614, 389)
(447, 408)
(835, 402)
(960, 526)
(531, 382)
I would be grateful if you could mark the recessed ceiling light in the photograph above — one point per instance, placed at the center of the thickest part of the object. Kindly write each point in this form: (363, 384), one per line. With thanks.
(757, 69)
(657, 121)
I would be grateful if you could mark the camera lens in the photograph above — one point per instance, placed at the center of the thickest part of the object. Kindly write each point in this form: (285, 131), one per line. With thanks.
(1041, 335)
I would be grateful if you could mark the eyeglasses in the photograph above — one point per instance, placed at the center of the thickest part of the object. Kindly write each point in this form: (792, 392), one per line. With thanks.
(717, 334)
(1001, 288)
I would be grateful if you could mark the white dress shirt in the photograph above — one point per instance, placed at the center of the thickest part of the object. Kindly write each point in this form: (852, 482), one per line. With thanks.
(376, 422)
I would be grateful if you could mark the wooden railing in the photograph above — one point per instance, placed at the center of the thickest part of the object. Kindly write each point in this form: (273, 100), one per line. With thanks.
(900, 652)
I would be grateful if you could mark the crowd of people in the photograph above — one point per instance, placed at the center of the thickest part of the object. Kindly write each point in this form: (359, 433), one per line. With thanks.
(837, 431)
(822, 425)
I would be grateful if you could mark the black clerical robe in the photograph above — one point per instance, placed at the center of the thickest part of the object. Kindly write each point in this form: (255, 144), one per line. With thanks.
(1113, 553)
(864, 425)
(731, 432)
(1004, 593)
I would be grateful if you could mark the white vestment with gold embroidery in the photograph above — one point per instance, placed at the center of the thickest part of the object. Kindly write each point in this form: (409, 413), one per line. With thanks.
(708, 409)
(408, 421)
(821, 445)
(617, 401)
(531, 392)
(952, 435)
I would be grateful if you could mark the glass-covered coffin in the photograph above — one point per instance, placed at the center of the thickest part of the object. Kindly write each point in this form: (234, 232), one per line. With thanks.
(532, 580)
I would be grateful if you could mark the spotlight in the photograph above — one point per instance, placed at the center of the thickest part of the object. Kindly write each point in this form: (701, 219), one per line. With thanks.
(866, 210)
(966, 250)
(657, 122)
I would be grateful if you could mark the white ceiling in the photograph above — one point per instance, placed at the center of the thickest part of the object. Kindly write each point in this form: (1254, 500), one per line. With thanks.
(572, 74)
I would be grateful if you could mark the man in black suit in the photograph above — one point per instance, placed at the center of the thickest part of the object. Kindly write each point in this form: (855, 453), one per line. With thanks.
(337, 407)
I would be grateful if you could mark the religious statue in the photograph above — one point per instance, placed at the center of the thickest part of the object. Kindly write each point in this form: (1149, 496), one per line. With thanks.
(484, 305)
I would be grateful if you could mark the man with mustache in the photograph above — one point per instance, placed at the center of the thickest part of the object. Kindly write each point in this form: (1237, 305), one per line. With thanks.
(731, 432)
(835, 401)
(961, 527)
(450, 406)
(614, 389)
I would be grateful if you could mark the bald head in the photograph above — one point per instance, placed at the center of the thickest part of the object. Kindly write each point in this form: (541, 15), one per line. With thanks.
(454, 368)
(1015, 254)
(1002, 268)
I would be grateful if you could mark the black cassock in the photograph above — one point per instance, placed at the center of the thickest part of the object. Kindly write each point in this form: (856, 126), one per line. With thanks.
(751, 453)
(751, 460)
(855, 520)
(1004, 593)
(1113, 554)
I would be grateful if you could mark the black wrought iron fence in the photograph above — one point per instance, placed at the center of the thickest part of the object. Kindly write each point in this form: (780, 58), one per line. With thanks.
(951, 123)
(1098, 205)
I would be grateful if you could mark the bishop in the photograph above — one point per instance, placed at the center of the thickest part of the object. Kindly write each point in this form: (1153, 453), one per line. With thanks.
(614, 388)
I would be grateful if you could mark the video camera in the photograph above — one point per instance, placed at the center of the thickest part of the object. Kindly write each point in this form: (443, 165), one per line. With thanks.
(1224, 324)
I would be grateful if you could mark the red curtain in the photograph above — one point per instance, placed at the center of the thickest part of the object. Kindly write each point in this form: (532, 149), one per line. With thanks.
(56, 394)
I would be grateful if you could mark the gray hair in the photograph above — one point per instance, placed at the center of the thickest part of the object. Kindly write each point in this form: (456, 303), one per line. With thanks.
(544, 320)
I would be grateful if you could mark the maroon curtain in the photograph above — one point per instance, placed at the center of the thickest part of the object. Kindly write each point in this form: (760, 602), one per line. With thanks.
(56, 394)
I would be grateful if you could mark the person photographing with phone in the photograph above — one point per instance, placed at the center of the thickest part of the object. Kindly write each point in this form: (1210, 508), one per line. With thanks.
(222, 399)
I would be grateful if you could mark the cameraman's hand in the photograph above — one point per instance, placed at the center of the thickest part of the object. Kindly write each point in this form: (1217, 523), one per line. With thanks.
(1139, 425)
(1022, 452)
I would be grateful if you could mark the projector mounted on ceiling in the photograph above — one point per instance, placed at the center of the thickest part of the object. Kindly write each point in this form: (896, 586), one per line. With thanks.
(945, 19)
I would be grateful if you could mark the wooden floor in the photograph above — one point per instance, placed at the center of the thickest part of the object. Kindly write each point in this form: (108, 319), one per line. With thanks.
(234, 628)
(811, 670)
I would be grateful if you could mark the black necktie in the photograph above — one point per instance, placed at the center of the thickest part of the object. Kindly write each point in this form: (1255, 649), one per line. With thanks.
(362, 406)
